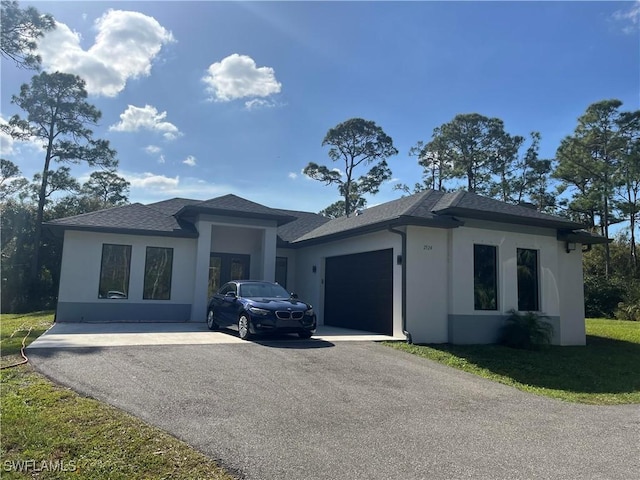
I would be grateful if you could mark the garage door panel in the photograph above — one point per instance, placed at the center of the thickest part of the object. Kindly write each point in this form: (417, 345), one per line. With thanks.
(359, 291)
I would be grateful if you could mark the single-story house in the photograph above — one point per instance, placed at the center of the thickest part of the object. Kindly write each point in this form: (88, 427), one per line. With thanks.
(436, 267)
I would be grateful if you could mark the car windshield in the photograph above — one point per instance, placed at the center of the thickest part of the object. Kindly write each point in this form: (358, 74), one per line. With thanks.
(266, 290)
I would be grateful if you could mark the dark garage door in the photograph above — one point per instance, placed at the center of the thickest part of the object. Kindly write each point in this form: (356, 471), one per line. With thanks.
(358, 291)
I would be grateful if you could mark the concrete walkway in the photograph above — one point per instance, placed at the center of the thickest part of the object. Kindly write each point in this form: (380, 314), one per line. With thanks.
(115, 334)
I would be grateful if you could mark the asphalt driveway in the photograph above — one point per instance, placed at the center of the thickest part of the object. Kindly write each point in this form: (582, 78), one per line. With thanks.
(301, 410)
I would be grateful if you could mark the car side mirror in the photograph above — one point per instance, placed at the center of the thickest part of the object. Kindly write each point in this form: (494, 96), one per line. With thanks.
(230, 295)
(294, 295)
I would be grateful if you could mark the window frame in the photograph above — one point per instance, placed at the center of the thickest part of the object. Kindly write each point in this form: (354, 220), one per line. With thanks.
(496, 287)
(127, 282)
(537, 299)
(144, 279)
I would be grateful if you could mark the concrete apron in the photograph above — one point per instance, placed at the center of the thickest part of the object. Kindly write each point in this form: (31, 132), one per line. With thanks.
(82, 335)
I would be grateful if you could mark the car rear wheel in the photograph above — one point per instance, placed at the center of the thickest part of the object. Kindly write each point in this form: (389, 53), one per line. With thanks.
(243, 327)
(304, 334)
(211, 321)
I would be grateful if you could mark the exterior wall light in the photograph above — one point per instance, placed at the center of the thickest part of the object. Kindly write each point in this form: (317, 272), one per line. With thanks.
(570, 246)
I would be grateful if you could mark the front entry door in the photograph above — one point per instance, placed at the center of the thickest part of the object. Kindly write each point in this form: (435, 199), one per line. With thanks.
(224, 267)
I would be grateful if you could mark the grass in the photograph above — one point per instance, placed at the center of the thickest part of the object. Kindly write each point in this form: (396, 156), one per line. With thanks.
(51, 432)
(13, 329)
(604, 372)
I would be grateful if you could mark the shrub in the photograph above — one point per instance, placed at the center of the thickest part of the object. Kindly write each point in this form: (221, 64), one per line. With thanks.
(601, 296)
(525, 330)
(628, 311)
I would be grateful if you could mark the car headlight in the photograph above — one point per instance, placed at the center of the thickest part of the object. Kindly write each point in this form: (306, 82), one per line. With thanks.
(309, 312)
(259, 311)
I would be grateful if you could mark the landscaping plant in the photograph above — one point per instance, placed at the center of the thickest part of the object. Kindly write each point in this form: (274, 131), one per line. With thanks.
(525, 330)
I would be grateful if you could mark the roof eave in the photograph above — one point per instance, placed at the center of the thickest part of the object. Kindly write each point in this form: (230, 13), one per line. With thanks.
(402, 220)
(584, 238)
(514, 219)
(57, 229)
(188, 210)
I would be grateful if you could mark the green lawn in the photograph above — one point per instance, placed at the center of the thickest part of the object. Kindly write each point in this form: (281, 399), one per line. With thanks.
(52, 432)
(604, 372)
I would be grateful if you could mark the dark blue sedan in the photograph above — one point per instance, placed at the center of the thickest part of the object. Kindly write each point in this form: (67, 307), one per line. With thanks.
(257, 307)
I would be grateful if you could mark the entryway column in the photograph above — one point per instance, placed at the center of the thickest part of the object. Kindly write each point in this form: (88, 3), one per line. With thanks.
(269, 254)
(201, 284)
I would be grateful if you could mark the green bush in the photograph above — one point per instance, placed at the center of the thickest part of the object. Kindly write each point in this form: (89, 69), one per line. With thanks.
(601, 296)
(525, 330)
(628, 311)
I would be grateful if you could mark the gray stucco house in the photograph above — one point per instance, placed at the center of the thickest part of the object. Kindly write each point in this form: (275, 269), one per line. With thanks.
(440, 267)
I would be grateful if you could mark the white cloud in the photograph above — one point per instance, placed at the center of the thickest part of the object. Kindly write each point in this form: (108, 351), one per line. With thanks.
(161, 159)
(152, 149)
(9, 146)
(237, 76)
(149, 187)
(6, 141)
(135, 118)
(149, 180)
(124, 48)
(629, 17)
(258, 103)
(293, 175)
(190, 160)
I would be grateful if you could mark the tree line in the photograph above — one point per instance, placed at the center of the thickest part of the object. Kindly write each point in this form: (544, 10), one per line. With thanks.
(58, 117)
(593, 179)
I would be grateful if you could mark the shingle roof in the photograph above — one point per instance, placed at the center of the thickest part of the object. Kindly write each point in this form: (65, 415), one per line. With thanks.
(471, 205)
(411, 209)
(437, 209)
(432, 208)
(133, 218)
(240, 207)
(304, 222)
(173, 205)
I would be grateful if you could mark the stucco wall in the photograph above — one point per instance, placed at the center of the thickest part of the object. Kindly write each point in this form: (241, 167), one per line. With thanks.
(228, 239)
(290, 255)
(570, 289)
(80, 277)
(467, 325)
(310, 286)
(427, 284)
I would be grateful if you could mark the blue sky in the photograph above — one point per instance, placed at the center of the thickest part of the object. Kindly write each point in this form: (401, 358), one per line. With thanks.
(201, 99)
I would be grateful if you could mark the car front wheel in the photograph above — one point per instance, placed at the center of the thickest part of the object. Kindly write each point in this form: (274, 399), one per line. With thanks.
(243, 327)
(211, 321)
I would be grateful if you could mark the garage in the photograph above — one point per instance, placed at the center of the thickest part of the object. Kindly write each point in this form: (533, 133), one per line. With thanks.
(359, 291)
